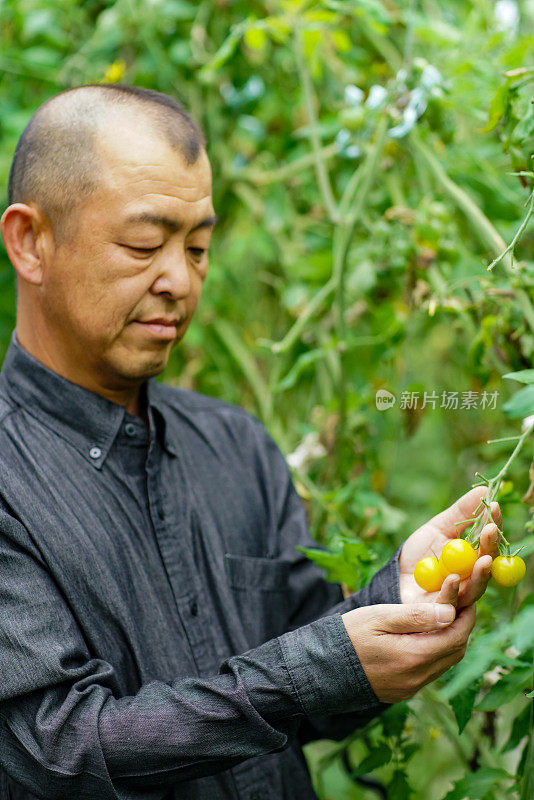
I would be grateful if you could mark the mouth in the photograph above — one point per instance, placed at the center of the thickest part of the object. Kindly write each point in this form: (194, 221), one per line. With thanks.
(161, 329)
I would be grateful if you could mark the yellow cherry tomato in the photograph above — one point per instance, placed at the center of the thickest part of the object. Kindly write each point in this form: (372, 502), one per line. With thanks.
(508, 570)
(458, 557)
(428, 574)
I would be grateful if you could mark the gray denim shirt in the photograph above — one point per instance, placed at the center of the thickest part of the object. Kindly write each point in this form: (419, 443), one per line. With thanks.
(160, 635)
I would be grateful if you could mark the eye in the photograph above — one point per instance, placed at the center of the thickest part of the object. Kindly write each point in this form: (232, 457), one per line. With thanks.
(140, 251)
(198, 252)
(144, 250)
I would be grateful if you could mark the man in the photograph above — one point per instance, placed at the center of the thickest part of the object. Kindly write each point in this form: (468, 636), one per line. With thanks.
(160, 635)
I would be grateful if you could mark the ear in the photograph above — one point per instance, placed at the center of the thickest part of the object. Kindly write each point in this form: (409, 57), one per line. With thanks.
(28, 240)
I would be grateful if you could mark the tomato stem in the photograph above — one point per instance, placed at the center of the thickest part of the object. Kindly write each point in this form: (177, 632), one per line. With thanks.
(472, 519)
(517, 551)
(493, 487)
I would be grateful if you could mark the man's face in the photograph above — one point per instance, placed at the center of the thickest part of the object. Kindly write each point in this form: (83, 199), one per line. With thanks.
(116, 273)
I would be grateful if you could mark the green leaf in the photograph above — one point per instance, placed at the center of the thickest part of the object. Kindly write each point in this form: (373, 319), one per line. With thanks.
(496, 109)
(337, 570)
(180, 52)
(522, 629)
(463, 703)
(40, 57)
(178, 9)
(520, 729)
(521, 404)
(477, 785)
(527, 601)
(399, 788)
(255, 38)
(376, 758)
(348, 561)
(394, 719)
(485, 651)
(522, 761)
(524, 130)
(224, 53)
(523, 376)
(409, 750)
(506, 689)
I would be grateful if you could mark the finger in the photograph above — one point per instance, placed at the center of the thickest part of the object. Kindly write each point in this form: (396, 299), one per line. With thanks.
(449, 590)
(412, 617)
(489, 540)
(462, 627)
(474, 588)
(458, 633)
(463, 508)
(448, 641)
(496, 514)
(438, 651)
(441, 665)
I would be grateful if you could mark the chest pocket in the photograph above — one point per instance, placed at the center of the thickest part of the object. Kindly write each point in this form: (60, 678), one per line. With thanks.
(260, 587)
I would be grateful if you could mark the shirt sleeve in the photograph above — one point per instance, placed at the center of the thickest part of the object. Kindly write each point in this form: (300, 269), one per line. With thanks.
(66, 731)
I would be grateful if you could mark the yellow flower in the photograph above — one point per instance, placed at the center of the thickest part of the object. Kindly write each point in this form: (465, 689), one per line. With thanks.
(114, 72)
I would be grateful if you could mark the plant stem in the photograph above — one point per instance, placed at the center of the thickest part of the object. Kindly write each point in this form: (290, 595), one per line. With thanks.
(523, 301)
(346, 231)
(518, 234)
(263, 177)
(243, 358)
(294, 332)
(483, 227)
(322, 175)
(493, 487)
(360, 183)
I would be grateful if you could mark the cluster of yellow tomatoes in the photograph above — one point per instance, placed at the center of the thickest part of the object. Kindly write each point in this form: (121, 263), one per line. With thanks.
(458, 557)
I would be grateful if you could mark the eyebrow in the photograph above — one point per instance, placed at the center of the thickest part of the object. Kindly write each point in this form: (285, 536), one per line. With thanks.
(167, 222)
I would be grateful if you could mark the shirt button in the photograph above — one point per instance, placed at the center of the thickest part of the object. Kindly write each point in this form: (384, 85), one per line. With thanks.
(193, 608)
(130, 429)
(95, 452)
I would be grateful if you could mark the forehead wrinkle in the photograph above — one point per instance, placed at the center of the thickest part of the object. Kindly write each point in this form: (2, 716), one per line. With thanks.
(167, 186)
(168, 222)
(162, 207)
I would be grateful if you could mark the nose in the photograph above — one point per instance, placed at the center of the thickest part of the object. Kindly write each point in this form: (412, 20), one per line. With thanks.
(174, 273)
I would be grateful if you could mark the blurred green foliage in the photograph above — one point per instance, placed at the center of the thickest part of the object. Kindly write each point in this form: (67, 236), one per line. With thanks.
(362, 156)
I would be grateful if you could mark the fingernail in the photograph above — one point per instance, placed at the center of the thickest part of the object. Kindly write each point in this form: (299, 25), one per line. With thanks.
(444, 613)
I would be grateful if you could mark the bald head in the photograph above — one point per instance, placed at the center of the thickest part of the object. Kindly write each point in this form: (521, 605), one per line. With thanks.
(57, 160)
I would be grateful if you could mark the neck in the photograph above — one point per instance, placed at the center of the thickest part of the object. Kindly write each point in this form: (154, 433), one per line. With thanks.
(39, 347)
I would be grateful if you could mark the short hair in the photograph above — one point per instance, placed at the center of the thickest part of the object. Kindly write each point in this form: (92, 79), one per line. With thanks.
(55, 164)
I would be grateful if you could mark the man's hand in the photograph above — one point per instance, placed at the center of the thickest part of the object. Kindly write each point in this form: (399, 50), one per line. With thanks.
(431, 537)
(403, 647)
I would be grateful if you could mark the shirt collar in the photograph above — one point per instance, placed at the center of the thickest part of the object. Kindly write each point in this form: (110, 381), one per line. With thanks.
(85, 419)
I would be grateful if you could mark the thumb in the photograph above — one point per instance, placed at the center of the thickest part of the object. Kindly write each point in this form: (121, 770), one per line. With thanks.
(415, 617)
(461, 509)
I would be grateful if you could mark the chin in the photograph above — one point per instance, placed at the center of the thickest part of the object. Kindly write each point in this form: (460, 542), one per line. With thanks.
(137, 373)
